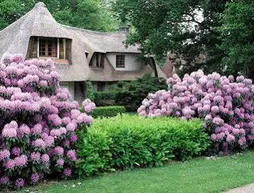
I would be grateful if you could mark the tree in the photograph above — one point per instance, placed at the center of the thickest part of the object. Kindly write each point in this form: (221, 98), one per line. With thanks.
(11, 10)
(237, 34)
(88, 14)
(184, 27)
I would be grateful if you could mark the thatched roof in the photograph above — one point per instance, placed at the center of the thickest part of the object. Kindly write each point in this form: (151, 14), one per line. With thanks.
(39, 22)
(103, 42)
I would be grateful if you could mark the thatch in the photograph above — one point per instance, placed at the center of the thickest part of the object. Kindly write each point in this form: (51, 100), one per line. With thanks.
(39, 22)
(103, 42)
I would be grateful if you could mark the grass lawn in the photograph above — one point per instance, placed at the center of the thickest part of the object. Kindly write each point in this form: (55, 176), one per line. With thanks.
(199, 175)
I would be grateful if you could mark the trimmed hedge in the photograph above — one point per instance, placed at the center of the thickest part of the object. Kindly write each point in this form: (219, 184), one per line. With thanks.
(108, 111)
(129, 141)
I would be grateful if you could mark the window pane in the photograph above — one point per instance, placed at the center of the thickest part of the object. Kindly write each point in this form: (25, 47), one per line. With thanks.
(42, 48)
(61, 48)
(48, 47)
(32, 48)
(52, 48)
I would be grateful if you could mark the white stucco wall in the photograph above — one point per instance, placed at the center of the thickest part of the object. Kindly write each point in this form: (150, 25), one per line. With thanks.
(131, 63)
(69, 86)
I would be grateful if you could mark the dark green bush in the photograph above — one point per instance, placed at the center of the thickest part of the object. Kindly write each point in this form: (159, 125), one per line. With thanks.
(131, 93)
(105, 98)
(109, 111)
(129, 141)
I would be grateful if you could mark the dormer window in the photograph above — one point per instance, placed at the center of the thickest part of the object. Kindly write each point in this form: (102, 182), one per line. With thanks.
(59, 49)
(47, 47)
(97, 60)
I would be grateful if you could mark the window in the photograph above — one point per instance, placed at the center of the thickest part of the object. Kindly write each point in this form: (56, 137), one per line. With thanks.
(47, 47)
(58, 48)
(120, 61)
(98, 60)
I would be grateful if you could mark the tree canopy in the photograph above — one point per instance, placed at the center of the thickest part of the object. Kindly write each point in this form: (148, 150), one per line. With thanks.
(88, 14)
(187, 28)
(237, 34)
(213, 35)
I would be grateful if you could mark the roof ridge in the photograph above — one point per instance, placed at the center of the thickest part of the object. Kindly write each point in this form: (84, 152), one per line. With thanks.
(40, 4)
(92, 31)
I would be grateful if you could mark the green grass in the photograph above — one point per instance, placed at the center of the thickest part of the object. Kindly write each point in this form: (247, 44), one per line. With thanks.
(199, 175)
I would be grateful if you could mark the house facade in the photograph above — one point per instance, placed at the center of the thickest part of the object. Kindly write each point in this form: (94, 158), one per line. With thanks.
(79, 54)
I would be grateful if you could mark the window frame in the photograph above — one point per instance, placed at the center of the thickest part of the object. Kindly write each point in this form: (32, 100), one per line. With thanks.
(120, 61)
(61, 47)
(49, 44)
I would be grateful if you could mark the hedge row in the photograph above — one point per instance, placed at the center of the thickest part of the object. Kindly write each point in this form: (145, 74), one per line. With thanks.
(108, 111)
(129, 141)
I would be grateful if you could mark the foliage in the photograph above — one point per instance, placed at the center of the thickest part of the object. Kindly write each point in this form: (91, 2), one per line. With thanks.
(108, 111)
(90, 90)
(38, 123)
(226, 105)
(131, 93)
(237, 34)
(11, 10)
(129, 141)
(186, 28)
(89, 14)
(105, 98)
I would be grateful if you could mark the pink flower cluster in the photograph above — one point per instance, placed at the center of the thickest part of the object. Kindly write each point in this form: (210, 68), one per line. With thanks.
(88, 105)
(38, 122)
(224, 102)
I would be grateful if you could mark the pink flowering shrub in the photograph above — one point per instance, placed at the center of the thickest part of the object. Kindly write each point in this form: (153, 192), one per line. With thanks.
(38, 123)
(224, 102)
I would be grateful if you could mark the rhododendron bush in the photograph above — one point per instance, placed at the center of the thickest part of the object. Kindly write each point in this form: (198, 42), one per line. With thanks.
(38, 122)
(224, 102)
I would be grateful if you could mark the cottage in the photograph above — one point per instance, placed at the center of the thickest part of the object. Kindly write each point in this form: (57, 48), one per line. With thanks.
(79, 54)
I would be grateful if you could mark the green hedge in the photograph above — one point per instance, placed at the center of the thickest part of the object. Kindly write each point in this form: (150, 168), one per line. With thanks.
(105, 98)
(129, 141)
(108, 111)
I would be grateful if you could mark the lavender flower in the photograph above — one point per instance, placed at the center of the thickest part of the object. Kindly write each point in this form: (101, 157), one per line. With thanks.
(59, 151)
(35, 177)
(4, 180)
(67, 172)
(15, 151)
(71, 154)
(20, 182)
(4, 154)
(20, 161)
(35, 156)
(60, 162)
(45, 158)
(10, 164)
